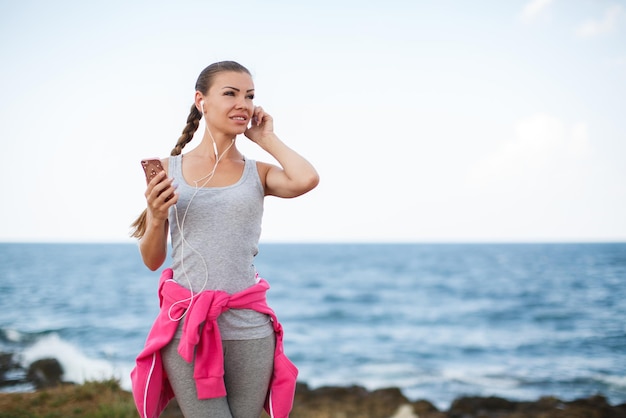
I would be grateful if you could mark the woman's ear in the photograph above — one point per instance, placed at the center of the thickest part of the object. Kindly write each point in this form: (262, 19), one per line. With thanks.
(199, 100)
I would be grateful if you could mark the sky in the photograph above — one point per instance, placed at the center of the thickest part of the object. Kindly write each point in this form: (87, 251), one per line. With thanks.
(446, 121)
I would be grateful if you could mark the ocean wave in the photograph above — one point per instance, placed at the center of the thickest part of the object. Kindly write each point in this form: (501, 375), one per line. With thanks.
(77, 366)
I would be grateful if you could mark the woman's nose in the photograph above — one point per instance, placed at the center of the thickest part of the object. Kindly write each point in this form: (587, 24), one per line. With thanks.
(241, 103)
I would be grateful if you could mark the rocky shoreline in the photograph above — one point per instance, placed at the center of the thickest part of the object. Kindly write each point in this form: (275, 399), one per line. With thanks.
(358, 402)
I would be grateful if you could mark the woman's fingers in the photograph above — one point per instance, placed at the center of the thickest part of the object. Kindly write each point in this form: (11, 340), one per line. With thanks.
(160, 194)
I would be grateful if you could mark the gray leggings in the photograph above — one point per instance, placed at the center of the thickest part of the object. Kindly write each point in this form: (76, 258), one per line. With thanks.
(248, 366)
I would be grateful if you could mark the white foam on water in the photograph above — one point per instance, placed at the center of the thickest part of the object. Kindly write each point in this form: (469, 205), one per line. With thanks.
(77, 366)
(13, 335)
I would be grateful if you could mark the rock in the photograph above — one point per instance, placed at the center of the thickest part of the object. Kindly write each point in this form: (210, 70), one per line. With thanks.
(45, 373)
(357, 402)
(425, 409)
(547, 407)
(346, 402)
(593, 407)
(472, 406)
(8, 364)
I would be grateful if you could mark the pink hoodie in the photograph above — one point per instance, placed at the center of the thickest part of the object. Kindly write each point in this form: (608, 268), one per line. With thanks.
(151, 388)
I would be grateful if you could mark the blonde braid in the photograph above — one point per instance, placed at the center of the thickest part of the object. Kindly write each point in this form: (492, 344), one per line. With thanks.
(193, 121)
(138, 227)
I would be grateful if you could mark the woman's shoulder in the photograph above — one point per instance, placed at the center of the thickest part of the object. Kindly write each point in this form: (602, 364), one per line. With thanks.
(165, 162)
(263, 167)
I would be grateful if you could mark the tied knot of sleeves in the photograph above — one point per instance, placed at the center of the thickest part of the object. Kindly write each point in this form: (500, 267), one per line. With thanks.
(201, 341)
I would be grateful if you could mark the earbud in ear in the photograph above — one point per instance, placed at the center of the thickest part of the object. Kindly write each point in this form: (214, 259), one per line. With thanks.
(202, 106)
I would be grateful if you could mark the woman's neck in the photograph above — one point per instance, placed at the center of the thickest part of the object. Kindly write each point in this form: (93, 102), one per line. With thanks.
(223, 144)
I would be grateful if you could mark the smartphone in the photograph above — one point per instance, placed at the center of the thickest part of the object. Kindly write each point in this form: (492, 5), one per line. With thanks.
(151, 167)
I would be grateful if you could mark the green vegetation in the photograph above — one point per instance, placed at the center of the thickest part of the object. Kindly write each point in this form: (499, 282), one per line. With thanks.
(91, 400)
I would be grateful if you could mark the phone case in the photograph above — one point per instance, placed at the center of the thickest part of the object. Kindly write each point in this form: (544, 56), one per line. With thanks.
(151, 167)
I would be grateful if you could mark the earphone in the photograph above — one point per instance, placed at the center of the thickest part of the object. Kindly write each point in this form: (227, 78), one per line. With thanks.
(207, 128)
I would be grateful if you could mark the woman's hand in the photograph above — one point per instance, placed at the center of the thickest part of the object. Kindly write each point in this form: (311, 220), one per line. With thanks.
(160, 196)
(261, 128)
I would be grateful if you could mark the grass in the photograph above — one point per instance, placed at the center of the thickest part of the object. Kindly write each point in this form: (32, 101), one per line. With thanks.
(104, 399)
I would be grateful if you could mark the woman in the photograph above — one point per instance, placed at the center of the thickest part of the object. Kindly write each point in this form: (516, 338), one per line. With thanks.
(213, 306)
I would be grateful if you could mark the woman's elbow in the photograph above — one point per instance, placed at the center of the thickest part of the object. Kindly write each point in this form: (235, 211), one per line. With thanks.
(305, 184)
(311, 182)
(151, 259)
(153, 264)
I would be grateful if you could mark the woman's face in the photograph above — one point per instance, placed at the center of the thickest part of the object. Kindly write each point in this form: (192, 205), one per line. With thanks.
(228, 104)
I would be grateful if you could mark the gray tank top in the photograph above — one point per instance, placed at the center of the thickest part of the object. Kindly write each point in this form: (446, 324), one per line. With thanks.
(214, 236)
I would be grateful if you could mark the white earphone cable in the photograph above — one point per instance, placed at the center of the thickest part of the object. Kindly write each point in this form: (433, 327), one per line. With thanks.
(180, 225)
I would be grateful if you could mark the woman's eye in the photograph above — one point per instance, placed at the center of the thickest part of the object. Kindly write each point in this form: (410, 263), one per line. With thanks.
(229, 93)
(251, 96)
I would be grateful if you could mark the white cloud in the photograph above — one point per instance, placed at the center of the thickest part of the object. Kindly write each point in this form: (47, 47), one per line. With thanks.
(595, 27)
(542, 143)
(578, 147)
(533, 9)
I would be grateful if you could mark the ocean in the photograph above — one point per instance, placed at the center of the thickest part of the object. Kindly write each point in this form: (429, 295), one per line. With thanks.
(438, 321)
